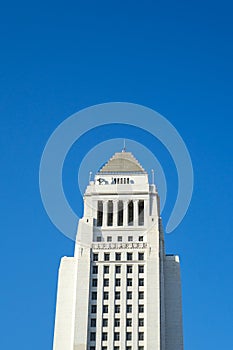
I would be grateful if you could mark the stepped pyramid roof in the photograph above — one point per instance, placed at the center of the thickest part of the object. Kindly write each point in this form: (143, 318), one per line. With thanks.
(122, 162)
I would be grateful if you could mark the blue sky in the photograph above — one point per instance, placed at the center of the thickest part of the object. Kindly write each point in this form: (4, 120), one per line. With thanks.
(57, 58)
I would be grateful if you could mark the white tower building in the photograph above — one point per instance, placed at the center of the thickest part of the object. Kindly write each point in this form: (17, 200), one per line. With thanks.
(119, 291)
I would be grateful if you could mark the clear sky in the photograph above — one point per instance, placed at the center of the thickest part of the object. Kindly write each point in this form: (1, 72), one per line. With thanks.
(59, 57)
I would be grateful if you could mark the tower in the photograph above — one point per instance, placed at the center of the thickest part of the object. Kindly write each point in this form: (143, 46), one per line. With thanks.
(119, 291)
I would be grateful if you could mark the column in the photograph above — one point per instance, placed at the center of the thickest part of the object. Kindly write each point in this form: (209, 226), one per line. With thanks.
(135, 212)
(115, 212)
(105, 213)
(125, 213)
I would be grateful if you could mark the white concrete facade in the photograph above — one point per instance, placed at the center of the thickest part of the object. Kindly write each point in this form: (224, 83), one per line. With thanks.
(119, 291)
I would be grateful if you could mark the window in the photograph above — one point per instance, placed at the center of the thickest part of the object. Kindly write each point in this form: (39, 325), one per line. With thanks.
(104, 348)
(129, 322)
(118, 269)
(106, 269)
(141, 282)
(116, 336)
(130, 238)
(92, 347)
(93, 309)
(117, 309)
(140, 238)
(117, 322)
(110, 213)
(105, 322)
(118, 256)
(128, 308)
(119, 239)
(94, 295)
(93, 322)
(141, 295)
(140, 256)
(109, 239)
(141, 348)
(105, 295)
(130, 213)
(106, 282)
(105, 309)
(129, 282)
(120, 214)
(104, 336)
(95, 269)
(140, 336)
(141, 308)
(98, 238)
(118, 282)
(95, 257)
(106, 256)
(141, 268)
(128, 336)
(99, 213)
(129, 256)
(141, 322)
(92, 336)
(117, 295)
(140, 213)
(116, 348)
(128, 347)
(129, 268)
(94, 282)
(129, 295)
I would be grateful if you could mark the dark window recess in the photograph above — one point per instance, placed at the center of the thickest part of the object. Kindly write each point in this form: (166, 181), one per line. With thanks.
(93, 322)
(118, 256)
(128, 336)
(141, 268)
(104, 336)
(140, 256)
(92, 336)
(105, 322)
(129, 308)
(106, 256)
(105, 295)
(141, 322)
(106, 269)
(141, 213)
(118, 282)
(129, 322)
(94, 282)
(105, 309)
(117, 322)
(118, 269)
(94, 296)
(106, 282)
(117, 295)
(130, 213)
(95, 269)
(129, 268)
(93, 309)
(140, 336)
(116, 336)
(117, 309)
(120, 214)
(100, 213)
(95, 257)
(129, 256)
(110, 213)
(141, 282)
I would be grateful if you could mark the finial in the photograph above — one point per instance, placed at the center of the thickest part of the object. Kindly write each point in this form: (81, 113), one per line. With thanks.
(124, 148)
(153, 176)
(90, 173)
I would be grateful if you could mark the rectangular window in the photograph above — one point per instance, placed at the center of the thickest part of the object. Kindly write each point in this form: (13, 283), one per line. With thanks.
(93, 322)
(105, 295)
(94, 295)
(120, 214)
(140, 238)
(105, 309)
(129, 295)
(119, 239)
(141, 268)
(95, 257)
(140, 213)
(104, 336)
(141, 282)
(106, 256)
(92, 336)
(128, 336)
(141, 322)
(129, 322)
(129, 256)
(106, 282)
(117, 295)
(92, 347)
(117, 322)
(130, 238)
(105, 322)
(118, 282)
(130, 213)
(128, 347)
(94, 282)
(109, 239)
(117, 309)
(129, 309)
(99, 213)
(99, 239)
(106, 269)
(116, 336)
(140, 336)
(110, 213)
(116, 348)
(118, 269)
(141, 348)
(129, 268)
(140, 256)
(140, 308)
(141, 295)
(129, 282)
(118, 256)
(94, 269)
(93, 309)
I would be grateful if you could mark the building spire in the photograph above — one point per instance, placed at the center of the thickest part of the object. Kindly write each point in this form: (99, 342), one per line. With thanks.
(124, 147)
